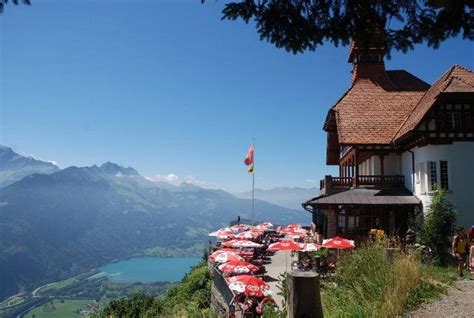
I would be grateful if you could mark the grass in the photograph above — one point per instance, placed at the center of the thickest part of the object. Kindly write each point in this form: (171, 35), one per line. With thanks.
(58, 285)
(57, 309)
(366, 284)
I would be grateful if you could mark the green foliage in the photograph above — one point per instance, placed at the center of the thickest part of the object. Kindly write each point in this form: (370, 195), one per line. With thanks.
(58, 309)
(282, 287)
(438, 227)
(190, 298)
(15, 2)
(301, 25)
(273, 312)
(322, 252)
(367, 284)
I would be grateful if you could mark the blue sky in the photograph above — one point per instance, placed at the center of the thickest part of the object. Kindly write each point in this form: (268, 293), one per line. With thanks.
(169, 88)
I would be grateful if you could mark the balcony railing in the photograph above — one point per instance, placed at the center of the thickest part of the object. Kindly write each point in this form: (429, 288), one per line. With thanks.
(330, 184)
(337, 182)
(221, 285)
(395, 180)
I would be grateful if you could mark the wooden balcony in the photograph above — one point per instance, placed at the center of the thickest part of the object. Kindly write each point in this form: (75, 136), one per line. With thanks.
(334, 184)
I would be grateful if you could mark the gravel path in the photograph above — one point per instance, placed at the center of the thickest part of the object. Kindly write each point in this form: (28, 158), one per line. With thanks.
(458, 303)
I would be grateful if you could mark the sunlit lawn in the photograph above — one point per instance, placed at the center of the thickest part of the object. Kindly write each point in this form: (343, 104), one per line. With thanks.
(56, 309)
(59, 285)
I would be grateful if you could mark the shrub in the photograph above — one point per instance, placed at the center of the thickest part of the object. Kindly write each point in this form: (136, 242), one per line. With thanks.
(367, 284)
(439, 227)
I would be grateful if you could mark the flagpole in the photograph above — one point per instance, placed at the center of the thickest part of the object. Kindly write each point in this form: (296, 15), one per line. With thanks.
(253, 186)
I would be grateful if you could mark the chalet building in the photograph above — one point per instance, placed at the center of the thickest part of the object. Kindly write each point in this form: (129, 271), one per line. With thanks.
(394, 137)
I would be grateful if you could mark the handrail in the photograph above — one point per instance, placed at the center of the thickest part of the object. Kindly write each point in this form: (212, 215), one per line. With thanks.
(222, 286)
(362, 180)
(381, 180)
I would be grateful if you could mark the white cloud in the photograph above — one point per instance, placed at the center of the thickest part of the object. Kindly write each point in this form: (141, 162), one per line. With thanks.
(54, 162)
(310, 181)
(175, 180)
(40, 159)
(195, 181)
(169, 178)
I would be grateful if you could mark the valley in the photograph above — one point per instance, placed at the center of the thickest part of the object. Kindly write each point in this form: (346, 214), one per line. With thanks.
(61, 224)
(80, 295)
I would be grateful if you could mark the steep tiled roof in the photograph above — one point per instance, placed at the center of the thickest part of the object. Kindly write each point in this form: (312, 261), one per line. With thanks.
(405, 81)
(375, 106)
(456, 79)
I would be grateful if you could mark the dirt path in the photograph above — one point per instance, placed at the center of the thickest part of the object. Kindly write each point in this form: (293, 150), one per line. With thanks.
(458, 303)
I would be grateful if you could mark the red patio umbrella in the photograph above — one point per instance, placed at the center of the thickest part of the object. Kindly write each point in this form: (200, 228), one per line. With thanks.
(309, 247)
(293, 225)
(239, 227)
(224, 233)
(247, 235)
(293, 230)
(241, 243)
(338, 243)
(249, 285)
(257, 229)
(284, 245)
(238, 267)
(220, 256)
(267, 224)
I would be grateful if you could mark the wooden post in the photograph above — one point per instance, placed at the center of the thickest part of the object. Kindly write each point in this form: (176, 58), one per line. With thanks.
(382, 172)
(304, 298)
(327, 185)
(356, 160)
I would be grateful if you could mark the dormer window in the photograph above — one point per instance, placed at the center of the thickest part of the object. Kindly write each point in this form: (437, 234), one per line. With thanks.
(454, 120)
(455, 117)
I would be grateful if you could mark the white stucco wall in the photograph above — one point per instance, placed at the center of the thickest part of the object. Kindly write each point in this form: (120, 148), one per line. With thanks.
(372, 165)
(460, 158)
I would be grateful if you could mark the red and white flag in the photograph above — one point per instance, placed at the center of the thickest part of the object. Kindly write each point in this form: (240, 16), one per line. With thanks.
(249, 157)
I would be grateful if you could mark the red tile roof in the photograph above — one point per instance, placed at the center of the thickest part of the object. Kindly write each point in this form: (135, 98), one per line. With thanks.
(382, 106)
(376, 104)
(457, 79)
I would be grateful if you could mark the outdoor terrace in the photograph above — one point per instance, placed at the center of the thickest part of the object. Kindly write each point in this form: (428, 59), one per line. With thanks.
(332, 184)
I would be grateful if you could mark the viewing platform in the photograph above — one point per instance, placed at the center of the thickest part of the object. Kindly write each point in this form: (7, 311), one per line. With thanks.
(332, 184)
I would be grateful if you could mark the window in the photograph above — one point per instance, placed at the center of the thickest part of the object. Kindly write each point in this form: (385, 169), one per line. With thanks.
(443, 174)
(453, 121)
(467, 120)
(418, 173)
(352, 223)
(456, 117)
(420, 176)
(341, 223)
(432, 174)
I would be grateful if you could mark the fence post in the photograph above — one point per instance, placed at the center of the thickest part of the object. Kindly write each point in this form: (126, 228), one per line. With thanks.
(304, 297)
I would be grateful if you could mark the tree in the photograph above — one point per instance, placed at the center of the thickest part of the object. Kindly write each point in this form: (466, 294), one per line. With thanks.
(438, 227)
(15, 2)
(303, 25)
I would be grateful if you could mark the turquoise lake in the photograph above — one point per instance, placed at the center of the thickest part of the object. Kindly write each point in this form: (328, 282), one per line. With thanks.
(148, 269)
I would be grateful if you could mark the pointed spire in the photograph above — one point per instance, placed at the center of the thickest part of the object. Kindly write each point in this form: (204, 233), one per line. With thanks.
(366, 55)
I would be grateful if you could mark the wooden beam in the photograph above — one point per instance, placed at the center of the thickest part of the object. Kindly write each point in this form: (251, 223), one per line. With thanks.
(382, 156)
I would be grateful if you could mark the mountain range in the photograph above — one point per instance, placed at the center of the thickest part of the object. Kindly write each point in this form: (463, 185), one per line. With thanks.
(283, 196)
(64, 222)
(14, 167)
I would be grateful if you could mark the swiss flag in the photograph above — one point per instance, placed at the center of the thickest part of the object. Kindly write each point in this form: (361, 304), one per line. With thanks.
(249, 157)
